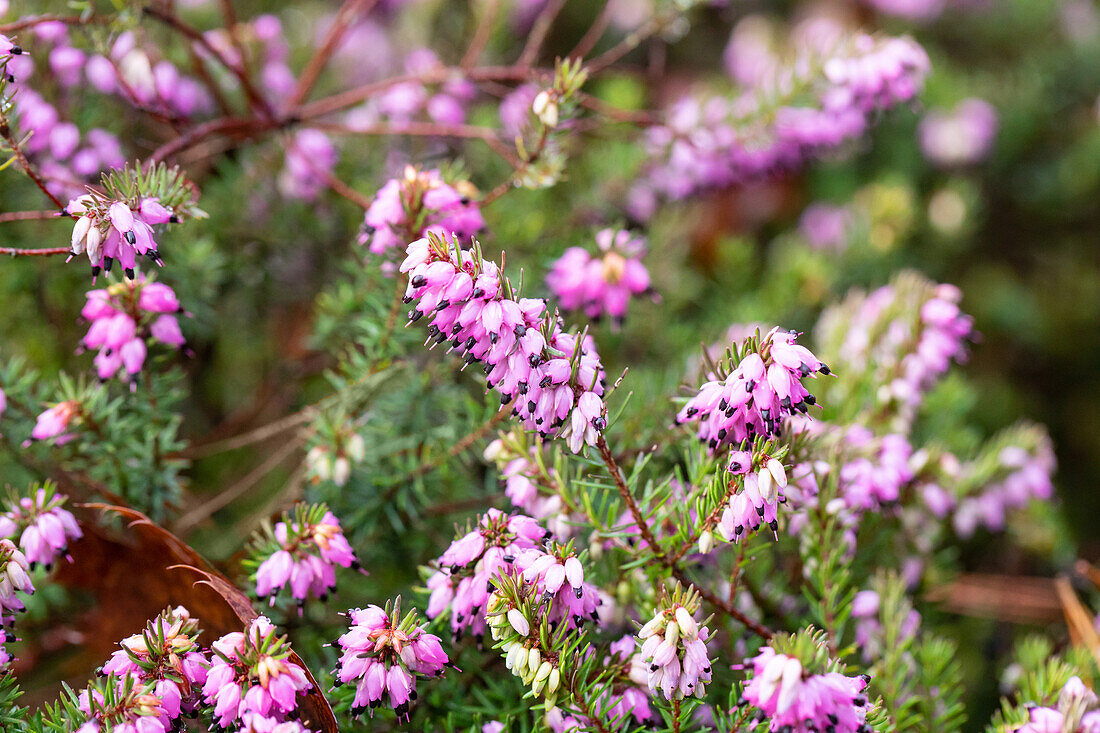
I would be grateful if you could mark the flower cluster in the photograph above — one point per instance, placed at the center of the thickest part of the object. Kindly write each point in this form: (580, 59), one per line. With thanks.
(45, 528)
(165, 659)
(108, 230)
(310, 159)
(301, 552)
(904, 335)
(529, 481)
(753, 399)
(800, 702)
(601, 285)
(383, 654)
(961, 136)
(674, 646)
(830, 98)
(418, 202)
(124, 317)
(444, 103)
(465, 570)
(517, 620)
(762, 479)
(122, 706)
(1021, 470)
(556, 573)
(333, 461)
(14, 577)
(1077, 711)
(554, 379)
(250, 675)
(67, 159)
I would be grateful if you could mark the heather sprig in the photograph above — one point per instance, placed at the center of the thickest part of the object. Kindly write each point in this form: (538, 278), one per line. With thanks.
(301, 552)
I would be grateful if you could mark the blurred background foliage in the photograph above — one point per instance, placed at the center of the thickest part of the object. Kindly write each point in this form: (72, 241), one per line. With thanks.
(277, 288)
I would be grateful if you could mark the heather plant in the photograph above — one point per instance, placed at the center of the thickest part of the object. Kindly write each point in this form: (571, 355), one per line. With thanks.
(530, 365)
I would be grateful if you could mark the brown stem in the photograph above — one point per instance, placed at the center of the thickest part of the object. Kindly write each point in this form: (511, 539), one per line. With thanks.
(677, 572)
(26, 165)
(425, 129)
(539, 31)
(46, 252)
(625, 46)
(255, 99)
(316, 64)
(31, 21)
(594, 33)
(724, 606)
(481, 35)
(27, 216)
(628, 499)
(676, 715)
(346, 99)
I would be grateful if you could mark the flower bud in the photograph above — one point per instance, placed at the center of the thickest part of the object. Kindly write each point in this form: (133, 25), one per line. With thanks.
(519, 622)
(706, 542)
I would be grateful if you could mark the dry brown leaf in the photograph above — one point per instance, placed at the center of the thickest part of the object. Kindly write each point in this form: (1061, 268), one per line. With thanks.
(135, 572)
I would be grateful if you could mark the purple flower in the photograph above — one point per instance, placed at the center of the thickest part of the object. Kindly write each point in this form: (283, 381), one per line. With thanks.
(108, 230)
(601, 285)
(800, 702)
(55, 421)
(302, 553)
(407, 208)
(383, 654)
(675, 650)
(554, 378)
(167, 658)
(826, 227)
(250, 674)
(125, 315)
(45, 528)
(961, 136)
(460, 585)
(756, 396)
(1076, 702)
(310, 159)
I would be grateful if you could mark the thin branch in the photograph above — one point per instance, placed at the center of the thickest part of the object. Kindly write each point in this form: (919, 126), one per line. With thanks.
(257, 435)
(46, 252)
(468, 440)
(28, 168)
(481, 35)
(625, 46)
(28, 216)
(316, 64)
(33, 20)
(425, 129)
(255, 99)
(539, 31)
(237, 490)
(346, 99)
(594, 33)
(647, 534)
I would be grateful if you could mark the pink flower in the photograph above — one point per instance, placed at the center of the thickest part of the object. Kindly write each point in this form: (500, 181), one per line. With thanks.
(125, 314)
(601, 285)
(756, 396)
(108, 230)
(302, 552)
(526, 355)
(674, 648)
(460, 585)
(55, 421)
(800, 702)
(46, 527)
(310, 159)
(251, 675)
(407, 208)
(383, 654)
